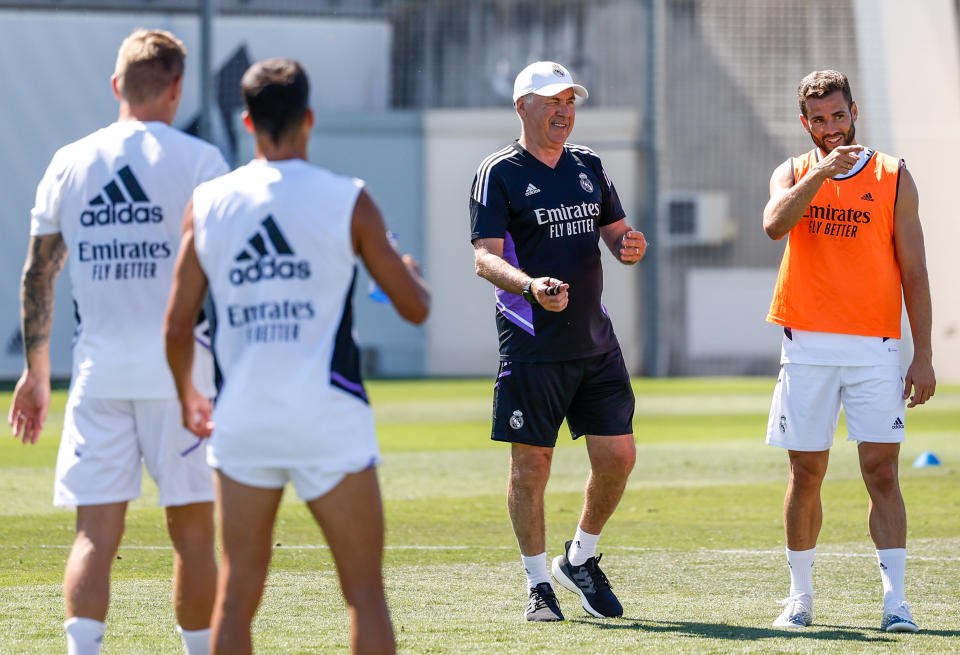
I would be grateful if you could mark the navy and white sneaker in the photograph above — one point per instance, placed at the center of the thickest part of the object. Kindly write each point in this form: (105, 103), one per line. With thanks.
(797, 612)
(543, 605)
(588, 582)
(898, 619)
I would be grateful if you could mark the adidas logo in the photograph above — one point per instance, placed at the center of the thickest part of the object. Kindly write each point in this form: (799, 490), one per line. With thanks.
(121, 208)
(264, 264)
(531, 190)
(867, 196)
(897, 424)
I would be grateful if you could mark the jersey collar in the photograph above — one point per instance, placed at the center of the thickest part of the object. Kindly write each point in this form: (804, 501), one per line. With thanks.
(862, 158)
(526, 154)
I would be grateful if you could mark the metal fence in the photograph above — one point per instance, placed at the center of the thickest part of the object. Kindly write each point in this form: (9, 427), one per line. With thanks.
(713, 81)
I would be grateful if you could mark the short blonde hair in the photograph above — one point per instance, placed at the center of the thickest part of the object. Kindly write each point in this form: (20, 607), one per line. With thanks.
(148, 62)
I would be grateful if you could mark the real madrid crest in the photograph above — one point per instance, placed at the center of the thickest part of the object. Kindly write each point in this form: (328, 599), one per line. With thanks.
(557, 70)
(516, 421)
(586, 183)
(783, 423)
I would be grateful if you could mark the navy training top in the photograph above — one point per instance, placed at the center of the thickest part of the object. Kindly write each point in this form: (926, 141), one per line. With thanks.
(549, 220)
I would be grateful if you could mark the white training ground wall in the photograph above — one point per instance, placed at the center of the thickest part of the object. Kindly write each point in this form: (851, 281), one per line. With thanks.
(910, 63)
(420, 164)
(54, 94)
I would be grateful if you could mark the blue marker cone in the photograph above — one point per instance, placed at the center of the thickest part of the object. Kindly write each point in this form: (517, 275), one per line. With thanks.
(926, 458)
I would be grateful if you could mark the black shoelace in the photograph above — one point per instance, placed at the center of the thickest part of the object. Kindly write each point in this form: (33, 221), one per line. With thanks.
(599, 577)
(541, 598)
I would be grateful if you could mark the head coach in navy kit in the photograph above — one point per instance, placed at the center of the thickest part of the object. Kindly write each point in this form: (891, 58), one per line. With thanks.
(538, 208)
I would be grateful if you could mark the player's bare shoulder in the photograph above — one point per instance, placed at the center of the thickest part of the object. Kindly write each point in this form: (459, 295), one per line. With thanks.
(782, 178)
(907, 204)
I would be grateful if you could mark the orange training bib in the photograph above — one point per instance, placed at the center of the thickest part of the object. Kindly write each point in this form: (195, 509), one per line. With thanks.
(839, 271)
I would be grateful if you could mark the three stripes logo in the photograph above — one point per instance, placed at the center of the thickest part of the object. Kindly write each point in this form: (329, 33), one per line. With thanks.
(531, 190)
(897, 424)
(267, 256)
(112, 206)
(867, 197)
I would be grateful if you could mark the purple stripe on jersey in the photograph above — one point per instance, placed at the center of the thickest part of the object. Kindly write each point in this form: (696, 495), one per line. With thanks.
(517, 306)
(504, 374)
(203, 343)
(339, 380)
(516, 310)
(510, 251)
(604, 309)
(192, 448)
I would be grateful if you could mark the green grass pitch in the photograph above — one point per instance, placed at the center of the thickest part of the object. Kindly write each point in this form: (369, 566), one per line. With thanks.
(695, 551)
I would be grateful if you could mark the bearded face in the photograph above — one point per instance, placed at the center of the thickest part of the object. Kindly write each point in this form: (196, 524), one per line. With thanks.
(830, 121)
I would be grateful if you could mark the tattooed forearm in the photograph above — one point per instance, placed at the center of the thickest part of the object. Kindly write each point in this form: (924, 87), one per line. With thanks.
(45, 258)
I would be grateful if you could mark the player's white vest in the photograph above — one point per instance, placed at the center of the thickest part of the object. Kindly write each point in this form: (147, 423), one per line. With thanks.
(117, 197)
(274, 240)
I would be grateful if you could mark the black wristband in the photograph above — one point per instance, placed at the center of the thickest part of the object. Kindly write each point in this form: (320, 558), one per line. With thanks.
(527, 293)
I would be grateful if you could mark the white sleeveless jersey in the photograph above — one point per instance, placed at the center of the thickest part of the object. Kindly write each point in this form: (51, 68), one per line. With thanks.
(274, 240)
(117, 197)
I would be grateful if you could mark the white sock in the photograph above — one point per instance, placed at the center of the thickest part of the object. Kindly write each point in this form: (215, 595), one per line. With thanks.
(84, 635)
(893, 564)
(801, 571)
(195, 642)
(584, 547)
(536, 568)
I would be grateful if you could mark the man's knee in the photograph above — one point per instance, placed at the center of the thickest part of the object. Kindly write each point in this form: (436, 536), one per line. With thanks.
(807, 470)
(191, 529)
(97, 541)
(530, 467)
(881, 476)
(94, 550)
(616, 459)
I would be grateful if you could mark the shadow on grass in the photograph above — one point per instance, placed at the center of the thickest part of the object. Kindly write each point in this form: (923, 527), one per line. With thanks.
(739, 632)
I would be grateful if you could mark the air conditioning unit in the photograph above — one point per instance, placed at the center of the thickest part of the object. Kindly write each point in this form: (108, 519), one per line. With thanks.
(696, 218)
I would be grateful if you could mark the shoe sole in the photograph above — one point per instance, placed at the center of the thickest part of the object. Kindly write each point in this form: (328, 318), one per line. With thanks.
(570, 585)
(789, 626)
(902, 627)
(553, 619)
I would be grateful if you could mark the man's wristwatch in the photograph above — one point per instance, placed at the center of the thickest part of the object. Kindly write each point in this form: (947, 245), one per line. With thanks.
(528, 293)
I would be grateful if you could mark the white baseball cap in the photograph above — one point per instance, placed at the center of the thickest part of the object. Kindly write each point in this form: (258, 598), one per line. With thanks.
(545, 78)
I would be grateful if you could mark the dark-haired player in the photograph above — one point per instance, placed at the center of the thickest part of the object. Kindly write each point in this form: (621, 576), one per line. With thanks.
(855, 248)
(277, 243)
(538, 208)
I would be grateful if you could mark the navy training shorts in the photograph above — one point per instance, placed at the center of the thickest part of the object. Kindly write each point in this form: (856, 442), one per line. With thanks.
(531, 399)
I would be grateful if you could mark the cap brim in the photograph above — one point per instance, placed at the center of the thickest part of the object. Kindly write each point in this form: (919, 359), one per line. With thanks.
(554, 89)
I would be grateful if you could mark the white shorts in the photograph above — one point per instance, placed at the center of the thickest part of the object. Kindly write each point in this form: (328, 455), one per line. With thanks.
(104, 441)
(807, 400)
(310, 482)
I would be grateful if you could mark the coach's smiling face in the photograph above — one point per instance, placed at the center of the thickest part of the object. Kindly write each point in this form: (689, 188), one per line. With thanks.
(548, 120)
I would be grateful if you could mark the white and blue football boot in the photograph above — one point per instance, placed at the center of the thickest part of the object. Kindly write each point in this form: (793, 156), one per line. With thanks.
(797, 612)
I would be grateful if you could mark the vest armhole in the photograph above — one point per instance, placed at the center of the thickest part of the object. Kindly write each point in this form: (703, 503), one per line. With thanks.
(896, 194)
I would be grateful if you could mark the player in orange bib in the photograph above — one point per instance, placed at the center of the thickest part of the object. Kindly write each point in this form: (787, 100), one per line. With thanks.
(855, 244)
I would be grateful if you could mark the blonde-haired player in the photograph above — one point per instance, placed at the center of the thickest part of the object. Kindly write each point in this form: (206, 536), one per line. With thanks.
(111, 203)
